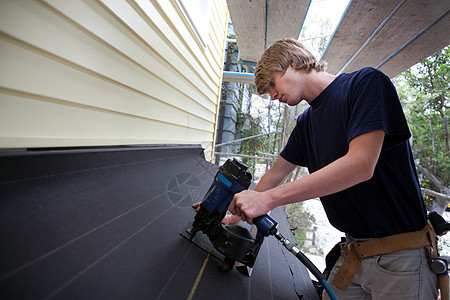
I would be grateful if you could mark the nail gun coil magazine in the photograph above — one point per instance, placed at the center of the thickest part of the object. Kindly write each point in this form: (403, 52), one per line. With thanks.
(234, 242)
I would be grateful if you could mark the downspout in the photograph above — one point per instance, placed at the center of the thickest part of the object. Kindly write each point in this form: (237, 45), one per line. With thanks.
(219, 92)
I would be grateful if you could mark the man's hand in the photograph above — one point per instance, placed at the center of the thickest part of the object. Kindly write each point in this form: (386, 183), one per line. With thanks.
(227, 220)
(272, 178)
(196, 206)
(231, 219)
(249, 204)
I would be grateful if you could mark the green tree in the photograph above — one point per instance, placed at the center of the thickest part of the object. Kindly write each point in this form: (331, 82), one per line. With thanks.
(424, 91)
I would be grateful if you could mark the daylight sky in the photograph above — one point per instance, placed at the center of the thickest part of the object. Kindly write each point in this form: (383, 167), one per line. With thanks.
(321, 11)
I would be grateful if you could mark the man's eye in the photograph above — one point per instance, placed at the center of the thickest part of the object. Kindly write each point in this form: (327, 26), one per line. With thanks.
(271, 84)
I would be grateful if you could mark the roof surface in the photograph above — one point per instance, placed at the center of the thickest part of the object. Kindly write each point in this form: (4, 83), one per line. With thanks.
(105, 224)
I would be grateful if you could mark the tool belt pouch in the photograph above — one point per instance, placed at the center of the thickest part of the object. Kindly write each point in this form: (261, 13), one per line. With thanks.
(348, 269)
(444, 286)
(354, 252)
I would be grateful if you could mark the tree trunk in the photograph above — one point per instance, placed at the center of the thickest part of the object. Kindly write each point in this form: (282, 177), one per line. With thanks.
(286, 128)
(439, 204)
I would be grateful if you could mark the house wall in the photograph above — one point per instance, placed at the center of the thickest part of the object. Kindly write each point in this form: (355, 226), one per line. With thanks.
(108, 72)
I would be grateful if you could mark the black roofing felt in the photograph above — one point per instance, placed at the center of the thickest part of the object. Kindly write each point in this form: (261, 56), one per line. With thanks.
(105, 224)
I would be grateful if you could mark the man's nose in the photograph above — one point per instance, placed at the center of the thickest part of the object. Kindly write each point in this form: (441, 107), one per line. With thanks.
(273, 94)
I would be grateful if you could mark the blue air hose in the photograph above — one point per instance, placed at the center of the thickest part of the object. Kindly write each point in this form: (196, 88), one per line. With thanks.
(311, 267)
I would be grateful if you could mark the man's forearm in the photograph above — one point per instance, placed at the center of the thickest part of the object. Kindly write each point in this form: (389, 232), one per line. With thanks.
(275, 175)
(353, 168)
(333, 178)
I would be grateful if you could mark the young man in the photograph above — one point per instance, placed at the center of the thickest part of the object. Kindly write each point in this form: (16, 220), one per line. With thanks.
(354, 140)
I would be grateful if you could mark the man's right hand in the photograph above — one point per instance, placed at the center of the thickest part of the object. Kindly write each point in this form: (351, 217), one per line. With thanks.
(227, 220)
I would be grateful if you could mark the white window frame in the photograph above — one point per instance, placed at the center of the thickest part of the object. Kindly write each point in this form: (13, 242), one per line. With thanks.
(199, 15)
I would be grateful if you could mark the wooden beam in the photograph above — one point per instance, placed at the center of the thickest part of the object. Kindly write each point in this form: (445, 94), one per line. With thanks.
(284, 20)
(430, 41)
(238, 77)
(372, 33)
(361, 19)
(249, 24)
(408, 21)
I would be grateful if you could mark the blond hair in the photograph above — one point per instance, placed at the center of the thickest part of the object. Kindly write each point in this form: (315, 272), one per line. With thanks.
(278, 57)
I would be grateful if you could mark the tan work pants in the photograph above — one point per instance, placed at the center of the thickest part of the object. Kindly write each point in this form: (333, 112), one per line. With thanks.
(398, 275)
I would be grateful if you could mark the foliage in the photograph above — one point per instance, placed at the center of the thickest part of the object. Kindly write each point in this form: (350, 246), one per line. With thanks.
(315, 36)
(300, 220)
(241, 94)
(248, 126)
(424, 91)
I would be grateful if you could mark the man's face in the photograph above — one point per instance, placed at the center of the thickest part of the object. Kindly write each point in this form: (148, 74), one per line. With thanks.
(287, 88)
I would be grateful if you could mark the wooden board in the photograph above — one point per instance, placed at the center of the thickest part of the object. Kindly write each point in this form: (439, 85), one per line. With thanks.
(360, 20)
(426, 44)
(371, 34)
(284, 20)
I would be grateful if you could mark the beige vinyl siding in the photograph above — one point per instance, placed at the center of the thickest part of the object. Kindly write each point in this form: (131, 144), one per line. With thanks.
(110, 72)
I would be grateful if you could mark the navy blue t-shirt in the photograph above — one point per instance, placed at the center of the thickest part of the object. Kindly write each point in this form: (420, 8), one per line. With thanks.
(355, 103)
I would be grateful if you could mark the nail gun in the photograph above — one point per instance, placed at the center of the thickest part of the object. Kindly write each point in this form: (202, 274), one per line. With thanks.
(234, 242)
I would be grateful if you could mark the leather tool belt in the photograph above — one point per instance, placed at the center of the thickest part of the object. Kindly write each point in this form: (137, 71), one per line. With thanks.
(355, 251)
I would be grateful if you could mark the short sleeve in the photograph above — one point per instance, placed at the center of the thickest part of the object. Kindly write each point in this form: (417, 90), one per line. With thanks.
(374, 106)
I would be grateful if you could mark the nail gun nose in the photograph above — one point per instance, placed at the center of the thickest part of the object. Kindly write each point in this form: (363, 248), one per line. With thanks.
(192, 232)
